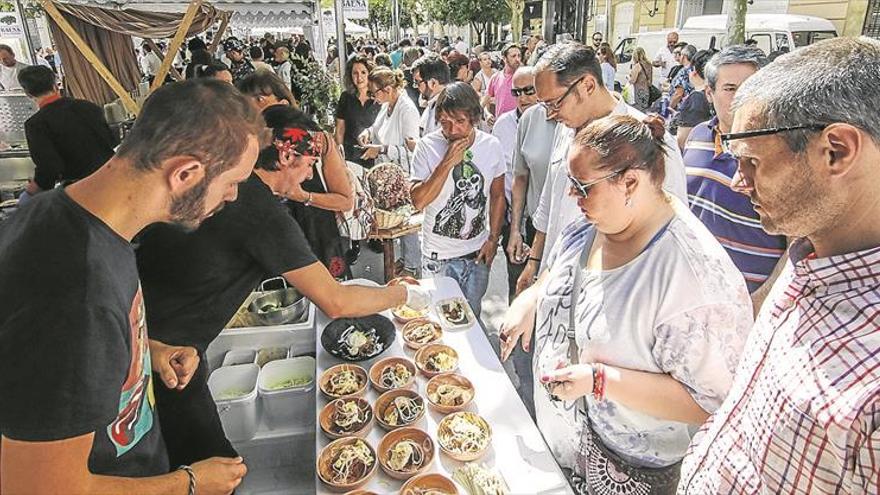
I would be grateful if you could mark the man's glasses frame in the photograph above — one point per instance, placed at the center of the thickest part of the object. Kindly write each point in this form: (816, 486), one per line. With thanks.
(554, 107)
(727, 138)
(583, 188)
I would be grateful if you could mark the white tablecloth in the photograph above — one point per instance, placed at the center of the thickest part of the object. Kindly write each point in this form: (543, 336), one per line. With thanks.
(518, 451)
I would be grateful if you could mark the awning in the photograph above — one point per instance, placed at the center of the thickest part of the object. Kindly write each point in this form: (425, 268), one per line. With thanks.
(246, 13)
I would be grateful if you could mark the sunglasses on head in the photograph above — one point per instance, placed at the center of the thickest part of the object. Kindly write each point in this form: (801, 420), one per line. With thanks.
(528, 91)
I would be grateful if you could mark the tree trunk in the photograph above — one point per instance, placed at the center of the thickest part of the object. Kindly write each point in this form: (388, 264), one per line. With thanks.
(736, 22)
(516, 18)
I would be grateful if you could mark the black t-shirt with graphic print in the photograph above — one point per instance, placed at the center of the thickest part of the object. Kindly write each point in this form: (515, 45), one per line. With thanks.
(74, 355)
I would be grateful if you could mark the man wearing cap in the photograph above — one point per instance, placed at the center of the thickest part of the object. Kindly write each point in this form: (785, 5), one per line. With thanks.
(239, 65)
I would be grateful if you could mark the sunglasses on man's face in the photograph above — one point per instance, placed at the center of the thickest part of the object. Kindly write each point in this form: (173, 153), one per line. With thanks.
(528, 91)
(597, 40)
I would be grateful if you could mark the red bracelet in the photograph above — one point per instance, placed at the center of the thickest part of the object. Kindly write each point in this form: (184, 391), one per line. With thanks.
(599, 382)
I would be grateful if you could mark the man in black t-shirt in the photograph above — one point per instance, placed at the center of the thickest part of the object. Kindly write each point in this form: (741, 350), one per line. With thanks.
(76, 361)
(195, 282)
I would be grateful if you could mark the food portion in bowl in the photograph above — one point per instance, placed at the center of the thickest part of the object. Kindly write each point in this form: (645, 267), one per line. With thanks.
(359, 343)
(449, 392)
(405, 452)
(399, 407)
(344, 380)
(404, 313)
(347, 462)
(435, 359)
(456, 312)
(358, 339)
(420, 332)
(392, 373)
(347, 416)
(464, 435)
(429, 484)
(403, 281)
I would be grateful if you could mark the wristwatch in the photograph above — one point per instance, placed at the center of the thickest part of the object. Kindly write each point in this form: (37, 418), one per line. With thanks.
(309, 200)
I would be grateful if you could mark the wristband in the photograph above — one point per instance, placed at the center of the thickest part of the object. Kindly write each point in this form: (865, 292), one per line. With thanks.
(192, 478)
(599, 382)
(535, 259)
(309, 200)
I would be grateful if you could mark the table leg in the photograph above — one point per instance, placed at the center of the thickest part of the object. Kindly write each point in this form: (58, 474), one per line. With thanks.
(388, 250)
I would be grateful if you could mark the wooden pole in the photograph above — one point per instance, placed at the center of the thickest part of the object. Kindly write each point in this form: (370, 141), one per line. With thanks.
(219, 34)
(90, 56)
(153, 46)
(176, 42)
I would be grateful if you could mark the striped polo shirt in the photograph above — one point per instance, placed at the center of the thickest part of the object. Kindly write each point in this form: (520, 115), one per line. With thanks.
(729, 215)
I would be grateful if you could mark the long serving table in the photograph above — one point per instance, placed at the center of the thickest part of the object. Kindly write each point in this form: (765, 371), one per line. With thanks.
(518, 450)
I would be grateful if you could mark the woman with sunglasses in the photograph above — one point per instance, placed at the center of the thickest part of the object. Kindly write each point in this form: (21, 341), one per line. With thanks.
(660, 317)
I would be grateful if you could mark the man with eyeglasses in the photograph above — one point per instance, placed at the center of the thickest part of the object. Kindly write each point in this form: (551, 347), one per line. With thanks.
(727, 213)
(803, 414)
(569, 86)
(597, 41)
(430, 76)
(681, 86)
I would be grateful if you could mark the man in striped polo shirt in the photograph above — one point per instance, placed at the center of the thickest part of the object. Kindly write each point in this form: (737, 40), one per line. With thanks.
(729, 214)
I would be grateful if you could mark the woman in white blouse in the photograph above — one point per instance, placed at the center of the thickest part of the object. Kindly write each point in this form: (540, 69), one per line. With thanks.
(661, 316)
(392, 138)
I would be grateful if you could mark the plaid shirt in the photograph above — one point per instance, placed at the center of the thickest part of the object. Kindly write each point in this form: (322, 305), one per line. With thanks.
(803, 415)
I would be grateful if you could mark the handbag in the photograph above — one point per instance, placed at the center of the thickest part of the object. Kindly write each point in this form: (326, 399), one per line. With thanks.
(357, 223)
(598, 470)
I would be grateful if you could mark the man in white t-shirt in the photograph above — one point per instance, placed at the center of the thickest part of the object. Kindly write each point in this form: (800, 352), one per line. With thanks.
(569, 85)
(430, 76)
(459, 184)
(665, 59)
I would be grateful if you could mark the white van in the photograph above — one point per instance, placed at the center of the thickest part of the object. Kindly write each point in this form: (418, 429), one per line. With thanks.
(772, 32)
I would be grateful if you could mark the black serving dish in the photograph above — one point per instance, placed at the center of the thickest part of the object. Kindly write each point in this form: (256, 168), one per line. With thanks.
(332, 336)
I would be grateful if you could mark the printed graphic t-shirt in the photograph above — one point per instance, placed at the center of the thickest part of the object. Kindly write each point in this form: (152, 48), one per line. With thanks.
(73, 338)
(457, 221)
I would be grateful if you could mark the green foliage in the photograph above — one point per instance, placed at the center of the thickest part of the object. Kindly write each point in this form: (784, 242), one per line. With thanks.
(320, 92)
(464, 12)
(380, 13)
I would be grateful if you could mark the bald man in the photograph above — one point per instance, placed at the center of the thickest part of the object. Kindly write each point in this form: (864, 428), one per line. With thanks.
(665, 59)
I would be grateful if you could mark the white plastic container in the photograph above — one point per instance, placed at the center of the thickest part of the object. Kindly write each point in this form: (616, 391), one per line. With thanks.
(238, 356)
(234, 389)
(289, 407)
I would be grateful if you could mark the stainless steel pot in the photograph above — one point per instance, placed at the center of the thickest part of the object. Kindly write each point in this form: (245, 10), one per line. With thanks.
(280, 306)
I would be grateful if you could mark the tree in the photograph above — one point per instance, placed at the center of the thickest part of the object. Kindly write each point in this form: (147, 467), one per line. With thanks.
(736, 22)
(380, 15)
(477, 13)
(516, 18)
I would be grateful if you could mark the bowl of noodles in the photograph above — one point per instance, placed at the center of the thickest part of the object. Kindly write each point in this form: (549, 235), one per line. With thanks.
(398, 408)
(344, 380)
(435, 359)
(464, 436)
(449, 393)
(405, 452)
(346, 417)
(358, 339)
(429, 484)
(346, 464)
(391, 373)
(421, 332)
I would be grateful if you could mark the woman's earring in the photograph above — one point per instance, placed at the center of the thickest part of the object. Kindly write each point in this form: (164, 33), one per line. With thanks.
(629, 202)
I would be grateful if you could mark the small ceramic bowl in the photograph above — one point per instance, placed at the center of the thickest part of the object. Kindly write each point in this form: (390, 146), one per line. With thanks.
(378, 368)
(424, 354)
(448, 379)
(385, 402)
(436, 483)
(392, 438)
(327, 456)
(403, 281)
(333, 431)
(409, 328)
(455, 454)
(360, 375)
(405, 314)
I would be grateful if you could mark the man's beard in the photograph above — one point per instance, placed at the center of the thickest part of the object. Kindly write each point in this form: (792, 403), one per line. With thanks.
(188, 209)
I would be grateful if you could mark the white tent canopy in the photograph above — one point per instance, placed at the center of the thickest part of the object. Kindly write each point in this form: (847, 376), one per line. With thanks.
(246, 13)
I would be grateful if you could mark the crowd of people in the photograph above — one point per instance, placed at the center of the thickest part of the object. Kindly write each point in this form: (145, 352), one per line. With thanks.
(692, 299)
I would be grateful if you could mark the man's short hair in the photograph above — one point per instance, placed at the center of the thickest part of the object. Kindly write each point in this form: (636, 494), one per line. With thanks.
(831, 81)
(216, 134)
(36, 80)
(459, 97)
(404, 43)
(256, 52)
(6, 48)
(431, 66)
(689, 51)
(570, 61)
(264, 83)
(732, 55)
(510, 46)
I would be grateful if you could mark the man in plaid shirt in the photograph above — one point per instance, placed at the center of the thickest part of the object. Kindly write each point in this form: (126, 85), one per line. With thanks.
(803, 415)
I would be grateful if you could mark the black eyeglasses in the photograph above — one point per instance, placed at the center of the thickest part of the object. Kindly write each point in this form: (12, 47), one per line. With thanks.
(583, 188)
(597, 40)
(553, 107)
(528, 91)
(726, 138)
